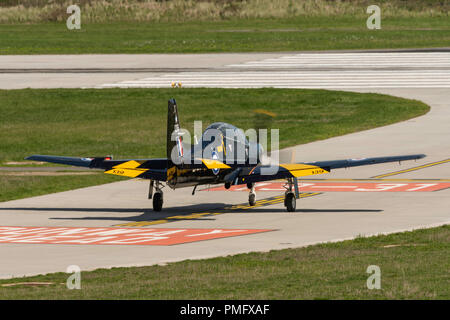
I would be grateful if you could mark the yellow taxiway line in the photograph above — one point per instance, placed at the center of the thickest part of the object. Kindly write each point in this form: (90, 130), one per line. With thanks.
(412, 169)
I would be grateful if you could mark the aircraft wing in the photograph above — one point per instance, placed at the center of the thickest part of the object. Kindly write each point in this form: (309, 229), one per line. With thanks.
(139, 168)
(296, 170)
(337, 164)
(78, 162)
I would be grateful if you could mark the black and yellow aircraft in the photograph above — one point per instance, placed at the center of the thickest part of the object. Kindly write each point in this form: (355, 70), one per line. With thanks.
(203, 163)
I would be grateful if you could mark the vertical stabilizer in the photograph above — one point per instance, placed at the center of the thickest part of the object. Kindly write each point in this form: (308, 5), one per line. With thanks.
(175, 151)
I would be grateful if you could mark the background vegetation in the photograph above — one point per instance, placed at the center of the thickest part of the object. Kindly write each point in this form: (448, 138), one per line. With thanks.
(19, 11)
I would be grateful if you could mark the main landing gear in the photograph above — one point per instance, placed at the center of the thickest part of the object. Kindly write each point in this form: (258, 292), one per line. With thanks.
(158, 196)
(252, 194)
(290, 196)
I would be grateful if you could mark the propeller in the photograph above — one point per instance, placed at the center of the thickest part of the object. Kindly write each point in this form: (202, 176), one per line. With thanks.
(263, 119)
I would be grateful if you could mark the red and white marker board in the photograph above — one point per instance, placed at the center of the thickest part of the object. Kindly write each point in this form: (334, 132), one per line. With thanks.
(115, 236)
(346, 187)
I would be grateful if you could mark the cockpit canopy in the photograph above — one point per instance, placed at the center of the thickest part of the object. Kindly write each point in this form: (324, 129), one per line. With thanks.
(230, 134)
(225, 142)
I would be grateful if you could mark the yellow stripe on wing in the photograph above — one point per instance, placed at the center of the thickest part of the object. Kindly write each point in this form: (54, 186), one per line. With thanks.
(132, 164)
(127, 169)
(300, 170)
(131, 173)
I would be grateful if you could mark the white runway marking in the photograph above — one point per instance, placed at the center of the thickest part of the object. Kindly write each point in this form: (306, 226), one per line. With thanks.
(361, 60)
(317, 70)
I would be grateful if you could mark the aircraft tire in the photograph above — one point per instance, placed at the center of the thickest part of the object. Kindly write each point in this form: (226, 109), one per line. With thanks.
(252, 199)
(290, 202)
(157, 201)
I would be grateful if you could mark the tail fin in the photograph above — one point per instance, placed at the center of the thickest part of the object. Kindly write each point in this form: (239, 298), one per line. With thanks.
(175, 152)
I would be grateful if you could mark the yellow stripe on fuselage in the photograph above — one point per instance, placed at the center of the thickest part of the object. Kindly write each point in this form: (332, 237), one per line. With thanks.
(214, 164)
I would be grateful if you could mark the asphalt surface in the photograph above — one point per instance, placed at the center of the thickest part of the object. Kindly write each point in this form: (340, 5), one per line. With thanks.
(320, 216)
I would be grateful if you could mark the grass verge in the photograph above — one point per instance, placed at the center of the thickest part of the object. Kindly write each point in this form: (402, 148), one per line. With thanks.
(243, 35)
(18, 187)
(188, 26)
(414, 265)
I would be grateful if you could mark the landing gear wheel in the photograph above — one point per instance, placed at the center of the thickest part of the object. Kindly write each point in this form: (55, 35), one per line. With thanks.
(252, 199)
(157, 201)
(290, 202)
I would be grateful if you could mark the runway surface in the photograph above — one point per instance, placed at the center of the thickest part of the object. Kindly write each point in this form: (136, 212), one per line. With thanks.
(326, 70)
(347, 70)
(322, 215)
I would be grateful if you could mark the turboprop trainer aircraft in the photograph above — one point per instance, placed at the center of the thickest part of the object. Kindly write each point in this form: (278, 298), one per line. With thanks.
(223, 155)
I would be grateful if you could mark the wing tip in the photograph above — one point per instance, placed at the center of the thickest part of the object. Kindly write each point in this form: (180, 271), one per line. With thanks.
(418, 156)
(32, 157)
